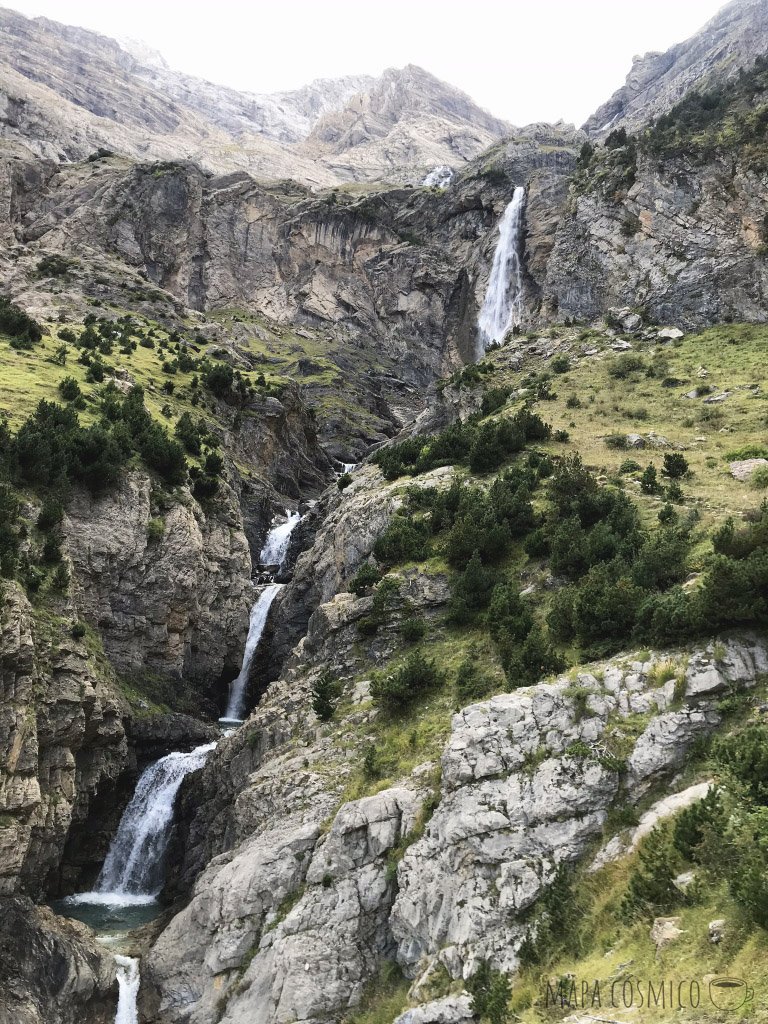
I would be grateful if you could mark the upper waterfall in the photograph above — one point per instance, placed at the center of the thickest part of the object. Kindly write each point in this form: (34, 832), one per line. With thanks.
(503, 303)
(275, 547)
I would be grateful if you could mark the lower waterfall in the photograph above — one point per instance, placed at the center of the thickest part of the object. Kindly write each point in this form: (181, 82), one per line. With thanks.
(135, 865)
(503, 303)
(128, 981)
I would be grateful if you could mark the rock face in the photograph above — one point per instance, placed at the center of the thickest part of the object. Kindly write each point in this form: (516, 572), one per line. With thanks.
(52, 970)
(730, 41)
(62, 738)
(686, 226)
(175, 606)
(101, 94)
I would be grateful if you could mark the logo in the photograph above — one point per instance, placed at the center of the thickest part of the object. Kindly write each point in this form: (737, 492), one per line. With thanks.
(634, 993)
(729, 993)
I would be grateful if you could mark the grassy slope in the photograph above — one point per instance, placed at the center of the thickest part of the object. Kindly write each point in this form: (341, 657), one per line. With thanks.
(733, 356)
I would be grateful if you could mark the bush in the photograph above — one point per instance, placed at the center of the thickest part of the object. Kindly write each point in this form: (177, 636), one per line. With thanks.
(50, 515)
(401, 689)
(471, 591)
(651, 890)
(472, 683)
(69, 389)
(403, 541)
(367, 576)
(15, 322)
(155, 530)
(649, 481)
(344, 481)
(625, 365)
(326, 693)
(413, 629)
(560, 364)
(675, 466)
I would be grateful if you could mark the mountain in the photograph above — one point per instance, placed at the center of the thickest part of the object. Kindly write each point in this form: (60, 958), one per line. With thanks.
(727, 43)
(66, 92)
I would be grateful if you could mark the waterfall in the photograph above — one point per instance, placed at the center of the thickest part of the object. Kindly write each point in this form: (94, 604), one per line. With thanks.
(503, 302)
(133, 872)
(439, 177)
(279, 537)
(128, 984)
(259, 614)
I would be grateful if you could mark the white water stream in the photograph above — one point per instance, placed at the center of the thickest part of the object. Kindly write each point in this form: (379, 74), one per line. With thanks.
(503, 303)
(238, 686)
(133, 873)
(128, 981)
(275, 547)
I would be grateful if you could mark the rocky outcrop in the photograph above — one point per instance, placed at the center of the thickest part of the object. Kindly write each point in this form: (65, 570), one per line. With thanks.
(292, 915)
(61, 737)
(52, 970)
(730, 41)
(176, 604)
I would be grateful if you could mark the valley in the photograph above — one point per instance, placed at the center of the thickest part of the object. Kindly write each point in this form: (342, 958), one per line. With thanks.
(383, 539)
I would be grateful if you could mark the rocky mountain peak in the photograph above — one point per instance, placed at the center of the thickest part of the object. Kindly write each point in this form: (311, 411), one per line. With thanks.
(657, 81)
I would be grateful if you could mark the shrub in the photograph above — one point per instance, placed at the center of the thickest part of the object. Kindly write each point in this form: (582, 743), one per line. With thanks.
(560, 363)
(625, 365)
(691, 824)
(69, 389)
(472, 683)
(651, 889)
(50, 515)
(758, 481)
(471, 590)
(491, 992)
(413, 629)
(675, 465)
(367, 576)
(326, 693)
(16, 323)
(344, 481)
(649, 481)
(155, 530)
(399, 690)
(403, 540)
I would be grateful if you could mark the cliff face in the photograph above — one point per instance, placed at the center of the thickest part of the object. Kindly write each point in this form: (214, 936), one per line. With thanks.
(684, 243)
(62, 739)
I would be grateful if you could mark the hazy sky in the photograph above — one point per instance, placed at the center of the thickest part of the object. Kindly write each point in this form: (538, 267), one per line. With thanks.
(537, 60)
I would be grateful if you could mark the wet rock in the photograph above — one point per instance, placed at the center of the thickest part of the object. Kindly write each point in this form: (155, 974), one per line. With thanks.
(53, 972)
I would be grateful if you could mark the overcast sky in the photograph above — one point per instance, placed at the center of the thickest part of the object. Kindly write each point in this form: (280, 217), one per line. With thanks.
(538, 60)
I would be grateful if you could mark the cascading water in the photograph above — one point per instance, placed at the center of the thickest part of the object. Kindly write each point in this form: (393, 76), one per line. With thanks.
(503, 303)
(275, 547)
(134, 869)
(128, 981)
(259, 615)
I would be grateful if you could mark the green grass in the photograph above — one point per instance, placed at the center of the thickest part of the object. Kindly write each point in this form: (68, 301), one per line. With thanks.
(734, 357)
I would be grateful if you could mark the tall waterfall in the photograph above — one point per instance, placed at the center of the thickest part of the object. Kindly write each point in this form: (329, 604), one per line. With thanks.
(279, 537)
(503, 303)
(128, 981)
(259, 615)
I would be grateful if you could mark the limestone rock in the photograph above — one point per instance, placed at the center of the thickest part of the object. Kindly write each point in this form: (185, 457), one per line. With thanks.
(449, 1010)
(665, 930)
(716, 930)
(742, 469)
(53, 972)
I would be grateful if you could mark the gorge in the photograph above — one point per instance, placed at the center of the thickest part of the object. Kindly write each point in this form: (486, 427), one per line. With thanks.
(382, 541)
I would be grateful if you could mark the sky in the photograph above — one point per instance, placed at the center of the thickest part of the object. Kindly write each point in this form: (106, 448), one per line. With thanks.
(538, 60)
